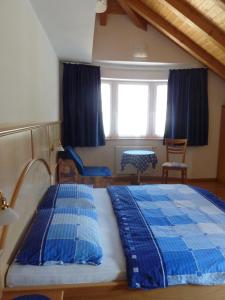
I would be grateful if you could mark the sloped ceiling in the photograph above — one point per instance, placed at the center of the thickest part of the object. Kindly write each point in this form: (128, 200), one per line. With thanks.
(198, 26)
(69, 25)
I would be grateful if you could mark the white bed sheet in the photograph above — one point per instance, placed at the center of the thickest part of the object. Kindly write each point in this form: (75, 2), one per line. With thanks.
(112, 266)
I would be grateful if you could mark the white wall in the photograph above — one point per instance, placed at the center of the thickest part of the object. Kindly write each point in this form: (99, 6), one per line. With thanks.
(117, 42)
(29, 69)
(120, 39)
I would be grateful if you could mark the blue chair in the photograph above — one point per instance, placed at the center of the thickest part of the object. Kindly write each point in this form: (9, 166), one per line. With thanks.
(86, 172)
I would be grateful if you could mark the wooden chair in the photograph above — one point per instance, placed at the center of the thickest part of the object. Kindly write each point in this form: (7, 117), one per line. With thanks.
(67, 171)
(175, 147)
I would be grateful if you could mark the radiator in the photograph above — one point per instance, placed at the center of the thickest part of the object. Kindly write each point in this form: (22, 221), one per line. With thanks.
(129, 169)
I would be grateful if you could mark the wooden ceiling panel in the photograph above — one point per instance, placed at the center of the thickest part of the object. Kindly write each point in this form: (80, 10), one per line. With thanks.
(198, 19)
(214, 10)
(190, 29)
(198, 26)
(177, 36)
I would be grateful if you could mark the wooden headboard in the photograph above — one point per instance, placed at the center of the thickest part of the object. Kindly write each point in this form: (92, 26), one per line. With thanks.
(27, 167)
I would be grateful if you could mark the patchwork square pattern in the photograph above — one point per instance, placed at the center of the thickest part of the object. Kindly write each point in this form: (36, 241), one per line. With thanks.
(210, 228)
(154, 212)
(62, 235)
(196, 216)
(171, 244)
(219, 219)
(188, 230)
(183, 231)
(58, 231)
(180, 262)
(147, 205)
(198, 242)
(209, 260)
(68, 195)
(180, 219)
(183, 203)
(170, 212)
(159, 198)
(166, 205)
(164, 231)
(161, 221)
(210, 209)
(216, 241)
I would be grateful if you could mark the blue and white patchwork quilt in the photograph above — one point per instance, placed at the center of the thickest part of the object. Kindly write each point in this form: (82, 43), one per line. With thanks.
(171, 234)
(68, 195)
(62, 235)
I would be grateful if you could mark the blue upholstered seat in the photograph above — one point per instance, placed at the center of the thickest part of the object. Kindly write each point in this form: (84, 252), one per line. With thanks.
(97, 171)
(83, 170)
(32, 297)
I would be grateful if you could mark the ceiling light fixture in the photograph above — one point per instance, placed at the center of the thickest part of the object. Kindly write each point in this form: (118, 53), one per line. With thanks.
(140, 52)
(101, 6)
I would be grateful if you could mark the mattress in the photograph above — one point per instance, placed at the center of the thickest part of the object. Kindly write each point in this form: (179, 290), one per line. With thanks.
(112, 267)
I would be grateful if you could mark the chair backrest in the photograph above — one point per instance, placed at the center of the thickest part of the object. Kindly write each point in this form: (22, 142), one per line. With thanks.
(176, 146)
(72, 154)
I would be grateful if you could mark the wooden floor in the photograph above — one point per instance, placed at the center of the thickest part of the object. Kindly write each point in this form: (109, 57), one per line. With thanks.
(212, 186)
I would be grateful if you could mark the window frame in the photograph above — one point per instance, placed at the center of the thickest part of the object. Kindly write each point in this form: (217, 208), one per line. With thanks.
(152, 90)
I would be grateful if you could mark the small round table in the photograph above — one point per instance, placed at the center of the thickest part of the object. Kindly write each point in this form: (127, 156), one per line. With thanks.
(140, 159)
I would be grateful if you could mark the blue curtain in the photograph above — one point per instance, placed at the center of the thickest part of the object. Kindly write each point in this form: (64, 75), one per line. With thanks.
(82, 110)
(187, 106)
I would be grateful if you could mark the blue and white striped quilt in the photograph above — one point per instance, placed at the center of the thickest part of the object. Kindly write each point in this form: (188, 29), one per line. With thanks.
(172, 234)
(62, 235)
(68, 195)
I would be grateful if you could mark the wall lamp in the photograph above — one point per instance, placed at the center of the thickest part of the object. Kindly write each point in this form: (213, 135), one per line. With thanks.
(7, 214)
(57, 146)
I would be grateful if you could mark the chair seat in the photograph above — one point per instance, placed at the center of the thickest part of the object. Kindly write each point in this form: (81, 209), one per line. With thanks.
(96, 171)
(174, 165)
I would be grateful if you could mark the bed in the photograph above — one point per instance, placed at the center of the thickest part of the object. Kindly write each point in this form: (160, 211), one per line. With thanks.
(106, 281)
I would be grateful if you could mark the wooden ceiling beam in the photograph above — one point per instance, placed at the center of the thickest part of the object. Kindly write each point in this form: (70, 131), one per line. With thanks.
(221, 3)
(114, 8)
(103, 17)
(188, 11)
(177, 36)
(136, 19)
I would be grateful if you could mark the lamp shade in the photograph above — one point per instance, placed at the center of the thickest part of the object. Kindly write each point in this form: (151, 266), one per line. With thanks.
(8, 216)
(60, 148)
(101, 6)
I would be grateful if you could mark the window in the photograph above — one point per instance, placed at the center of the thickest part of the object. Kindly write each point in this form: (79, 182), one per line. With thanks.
(134, 109)
(106, 106)
(160, 110)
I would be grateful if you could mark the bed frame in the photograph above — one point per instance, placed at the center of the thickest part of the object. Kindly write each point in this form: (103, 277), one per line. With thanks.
(117, 290)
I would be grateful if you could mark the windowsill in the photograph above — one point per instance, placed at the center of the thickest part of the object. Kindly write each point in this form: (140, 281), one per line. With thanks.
(134, 138)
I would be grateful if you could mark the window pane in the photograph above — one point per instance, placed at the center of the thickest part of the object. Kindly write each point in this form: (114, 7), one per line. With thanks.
(132, 109)
(106, 106)
(160, 114)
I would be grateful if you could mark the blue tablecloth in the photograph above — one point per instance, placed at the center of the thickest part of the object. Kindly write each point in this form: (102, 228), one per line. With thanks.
(140, 159)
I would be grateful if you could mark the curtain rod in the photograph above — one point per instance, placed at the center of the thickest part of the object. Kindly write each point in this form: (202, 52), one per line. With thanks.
(78, 63)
